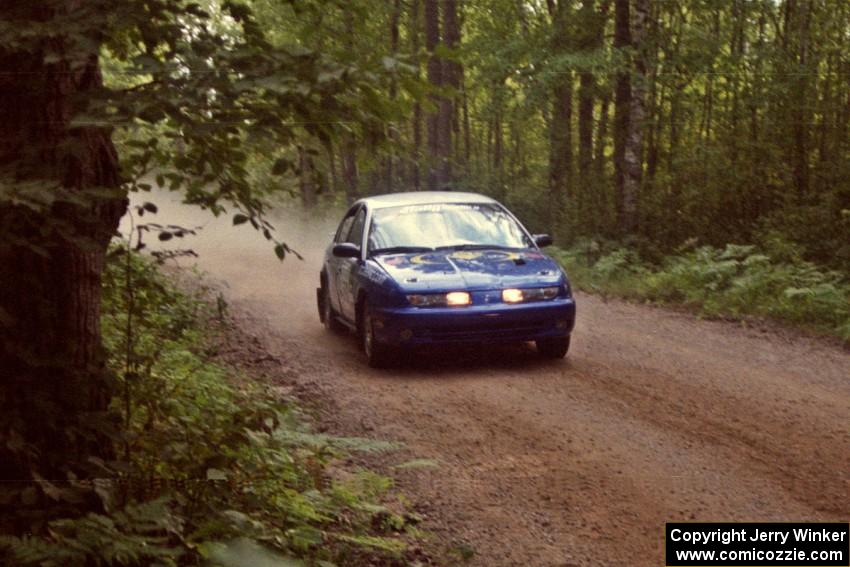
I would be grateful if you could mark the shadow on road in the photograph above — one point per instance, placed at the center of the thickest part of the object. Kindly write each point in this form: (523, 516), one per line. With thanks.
(445, 360)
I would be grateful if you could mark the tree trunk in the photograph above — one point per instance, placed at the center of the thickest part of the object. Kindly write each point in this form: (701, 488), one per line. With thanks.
(843, 125)
(739, 15)
(622, 109)
(416, 150)
(655, 114)
(498, 157)
(600, 204)
(560, 131)
(601, 137)
(585, 126)
(707, 124)
(454, 27)
(466, 132)
(350, 176)
(561, 151)
(756, 89)
(654, 132)
(678, 89)
(334, 184)
(306, 178)
(592, 23)
(54, 390)
(392, 133)
(802, 15)
(630, 30)
(349, 167)
(450, 78)
(435, 79)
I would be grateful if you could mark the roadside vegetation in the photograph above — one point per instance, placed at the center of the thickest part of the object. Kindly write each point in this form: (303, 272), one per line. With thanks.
(209, 466)
(614, 121)
(735, 281)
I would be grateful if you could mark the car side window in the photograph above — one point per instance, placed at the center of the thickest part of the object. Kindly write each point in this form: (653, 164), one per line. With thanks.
(355, 235)
(344, 228)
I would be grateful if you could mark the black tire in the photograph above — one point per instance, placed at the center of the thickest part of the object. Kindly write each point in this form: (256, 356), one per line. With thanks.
(327, 313)
(378, 355)
(553, 348)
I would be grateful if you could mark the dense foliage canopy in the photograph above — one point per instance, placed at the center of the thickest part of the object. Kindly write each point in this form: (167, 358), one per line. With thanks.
(674, 127)
(657, 122)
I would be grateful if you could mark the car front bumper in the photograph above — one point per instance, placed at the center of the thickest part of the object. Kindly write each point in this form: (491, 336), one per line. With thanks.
(413, 326)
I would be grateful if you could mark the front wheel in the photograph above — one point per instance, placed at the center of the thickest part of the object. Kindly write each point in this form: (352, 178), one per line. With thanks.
(553, 348)
(378, 355)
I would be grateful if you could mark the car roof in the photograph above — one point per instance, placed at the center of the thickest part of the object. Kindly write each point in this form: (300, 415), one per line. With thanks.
(423, 198)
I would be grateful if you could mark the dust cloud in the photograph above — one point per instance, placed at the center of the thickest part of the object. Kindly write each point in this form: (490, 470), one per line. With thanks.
(240, 259)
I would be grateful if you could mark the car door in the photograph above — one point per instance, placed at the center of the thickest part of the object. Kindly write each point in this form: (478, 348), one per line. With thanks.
(332, 263)
(348, 267)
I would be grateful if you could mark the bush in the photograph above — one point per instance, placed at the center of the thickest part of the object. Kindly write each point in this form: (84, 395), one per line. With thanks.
(208, 471)
(604, 268)
(735, 281)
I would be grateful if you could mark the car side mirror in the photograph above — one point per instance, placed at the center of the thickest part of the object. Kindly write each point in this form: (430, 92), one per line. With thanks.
(346, 250)
(543, 240)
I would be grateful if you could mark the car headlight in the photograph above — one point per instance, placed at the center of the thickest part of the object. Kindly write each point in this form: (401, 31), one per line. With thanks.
(451, 299)
(531, 294)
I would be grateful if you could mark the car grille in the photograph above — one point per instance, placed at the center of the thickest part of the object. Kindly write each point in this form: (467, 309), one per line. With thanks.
(485, 331)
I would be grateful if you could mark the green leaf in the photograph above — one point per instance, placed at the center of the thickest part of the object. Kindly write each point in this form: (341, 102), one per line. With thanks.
(418, 464)
(280, 251)
(243, 551)
(238, 12)
(327, 76)
(281, 166)
(239, 219)
(216, 474)
(389, 63)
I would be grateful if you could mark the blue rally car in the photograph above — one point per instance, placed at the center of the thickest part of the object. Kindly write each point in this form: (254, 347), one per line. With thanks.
(413, 269)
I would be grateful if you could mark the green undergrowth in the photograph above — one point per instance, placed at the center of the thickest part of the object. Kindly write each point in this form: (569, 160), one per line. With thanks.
(733, 282)
(212, 468)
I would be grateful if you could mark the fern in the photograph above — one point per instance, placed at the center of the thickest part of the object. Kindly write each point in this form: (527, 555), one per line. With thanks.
(210, 472)
(141, 534)
(737, 281)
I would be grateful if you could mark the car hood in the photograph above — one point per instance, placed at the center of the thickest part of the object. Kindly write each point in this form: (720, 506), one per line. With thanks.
(468, 269)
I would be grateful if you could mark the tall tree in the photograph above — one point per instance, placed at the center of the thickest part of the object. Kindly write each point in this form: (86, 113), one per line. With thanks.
(592, 19)
(187, 118)
(622, 106)
(633, 151)
(61, 203)
(392, 131)
(452, 76)
(435, 79)
(307, 178)
(416, 119)
(561, 144)
(798, 24)
(350, 173)
(630, 28)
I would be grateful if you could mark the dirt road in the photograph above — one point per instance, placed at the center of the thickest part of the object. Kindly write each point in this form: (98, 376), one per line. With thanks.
(654, 417)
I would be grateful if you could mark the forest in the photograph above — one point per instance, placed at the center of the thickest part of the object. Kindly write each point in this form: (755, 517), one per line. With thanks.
(647, 122)
(680, 151)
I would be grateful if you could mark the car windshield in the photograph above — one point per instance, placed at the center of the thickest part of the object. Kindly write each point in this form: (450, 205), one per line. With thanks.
(450, 226)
